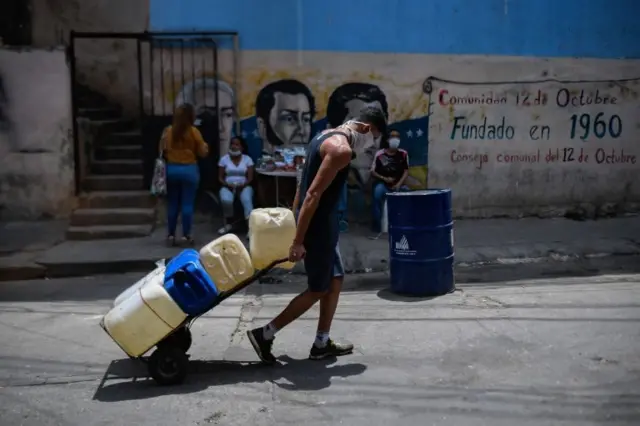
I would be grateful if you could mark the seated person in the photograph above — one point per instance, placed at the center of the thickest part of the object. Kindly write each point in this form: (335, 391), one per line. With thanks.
(389, 171)
(235, 173)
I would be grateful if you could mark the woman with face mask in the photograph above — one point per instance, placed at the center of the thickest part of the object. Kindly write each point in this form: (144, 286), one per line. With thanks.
(235, 173)
(389, 170)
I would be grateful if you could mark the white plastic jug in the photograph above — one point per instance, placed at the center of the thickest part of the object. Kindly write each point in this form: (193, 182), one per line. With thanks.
(227, 261)
(271, 232)
(143, 319)
(155, 277)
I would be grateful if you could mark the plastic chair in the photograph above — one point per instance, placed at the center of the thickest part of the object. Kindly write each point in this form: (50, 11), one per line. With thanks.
(237, 207)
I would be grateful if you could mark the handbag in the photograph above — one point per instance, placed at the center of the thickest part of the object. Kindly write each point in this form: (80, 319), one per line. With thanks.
(159, 180)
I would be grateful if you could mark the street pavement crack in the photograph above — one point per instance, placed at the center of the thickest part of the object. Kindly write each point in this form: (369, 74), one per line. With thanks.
(251, 305)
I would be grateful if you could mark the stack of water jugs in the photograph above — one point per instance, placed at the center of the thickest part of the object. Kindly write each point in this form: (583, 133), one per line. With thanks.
(190, 283)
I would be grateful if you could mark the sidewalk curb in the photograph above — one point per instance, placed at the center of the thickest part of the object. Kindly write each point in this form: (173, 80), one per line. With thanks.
(83, 269)
(34, 270)
(22, 272)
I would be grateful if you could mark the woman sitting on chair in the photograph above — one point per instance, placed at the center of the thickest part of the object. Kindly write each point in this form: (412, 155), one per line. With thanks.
(235, 173)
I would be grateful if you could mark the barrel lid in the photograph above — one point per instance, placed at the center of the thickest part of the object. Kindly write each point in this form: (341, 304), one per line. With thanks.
(420, 192)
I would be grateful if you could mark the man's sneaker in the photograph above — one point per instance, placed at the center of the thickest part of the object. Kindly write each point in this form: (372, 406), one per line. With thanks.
(331, 349)
(261, 345)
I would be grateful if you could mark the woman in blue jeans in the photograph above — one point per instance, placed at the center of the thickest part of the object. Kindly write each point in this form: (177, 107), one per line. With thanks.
(389, 170)
(181, 145)
(235, 173)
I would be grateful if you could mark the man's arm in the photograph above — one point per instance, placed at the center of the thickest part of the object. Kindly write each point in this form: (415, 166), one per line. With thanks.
(405, 174)
(402, 178)
(337, 156)
(377, 175)
(296, 200)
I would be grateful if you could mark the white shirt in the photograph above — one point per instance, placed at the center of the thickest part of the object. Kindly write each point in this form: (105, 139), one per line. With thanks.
(235, 174)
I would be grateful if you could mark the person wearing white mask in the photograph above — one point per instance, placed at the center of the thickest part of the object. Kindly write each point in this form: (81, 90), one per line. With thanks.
(390, 169)
(325, 172)
(235, 173)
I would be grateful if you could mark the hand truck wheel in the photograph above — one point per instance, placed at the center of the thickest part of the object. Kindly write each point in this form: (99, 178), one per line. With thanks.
(168, 365)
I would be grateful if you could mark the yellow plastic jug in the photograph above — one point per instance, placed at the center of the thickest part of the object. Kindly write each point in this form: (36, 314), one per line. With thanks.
(143, 319)
(227, 261)
(271, 232)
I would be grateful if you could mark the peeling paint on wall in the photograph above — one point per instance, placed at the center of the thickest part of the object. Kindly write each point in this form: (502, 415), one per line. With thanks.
(36, 165)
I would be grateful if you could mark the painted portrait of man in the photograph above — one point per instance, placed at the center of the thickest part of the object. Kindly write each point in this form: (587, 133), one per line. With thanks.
(345, 103)
(201, 93)
(284, 113)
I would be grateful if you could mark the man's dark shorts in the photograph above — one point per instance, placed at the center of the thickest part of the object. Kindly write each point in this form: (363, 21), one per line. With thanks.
(322, 265)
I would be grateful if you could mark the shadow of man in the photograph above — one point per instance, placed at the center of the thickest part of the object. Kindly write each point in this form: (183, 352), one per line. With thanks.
(289, 374)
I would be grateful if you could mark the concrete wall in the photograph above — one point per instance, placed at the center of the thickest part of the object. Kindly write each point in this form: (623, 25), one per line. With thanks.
(543, 28)
(275, 83)
(507, 182)
(36, 144)
(542, 147)
(108, 66)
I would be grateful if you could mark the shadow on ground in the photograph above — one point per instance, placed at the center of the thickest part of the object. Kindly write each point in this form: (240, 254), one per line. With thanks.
(616, 401)
(289, 374)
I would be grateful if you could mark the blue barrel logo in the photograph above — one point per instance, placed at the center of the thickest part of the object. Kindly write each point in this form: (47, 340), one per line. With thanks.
(403, 248)
(421, 242)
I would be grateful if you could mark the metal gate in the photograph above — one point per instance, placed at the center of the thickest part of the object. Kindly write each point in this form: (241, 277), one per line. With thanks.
(170, 68)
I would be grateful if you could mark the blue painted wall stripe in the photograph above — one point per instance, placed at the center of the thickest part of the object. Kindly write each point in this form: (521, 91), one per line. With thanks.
(550, 28)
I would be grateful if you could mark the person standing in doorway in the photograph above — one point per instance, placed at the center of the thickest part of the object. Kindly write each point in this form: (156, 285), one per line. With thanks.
(235, 173)
(181, 144)
(389, 170)
(316, 241)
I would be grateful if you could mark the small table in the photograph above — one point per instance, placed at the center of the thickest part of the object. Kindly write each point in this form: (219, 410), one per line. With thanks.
(276, 175)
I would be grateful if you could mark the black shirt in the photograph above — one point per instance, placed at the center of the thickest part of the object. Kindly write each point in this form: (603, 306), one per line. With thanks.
(391, 165)
(323, 228)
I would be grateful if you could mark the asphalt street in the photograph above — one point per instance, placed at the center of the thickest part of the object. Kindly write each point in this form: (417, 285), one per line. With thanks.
(501, 351)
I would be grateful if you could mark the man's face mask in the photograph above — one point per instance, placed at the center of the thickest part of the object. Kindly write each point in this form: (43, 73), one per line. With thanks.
(360, 141)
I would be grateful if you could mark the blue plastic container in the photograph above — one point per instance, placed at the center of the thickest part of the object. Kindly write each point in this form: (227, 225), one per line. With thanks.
(188, 283)
(421, 242)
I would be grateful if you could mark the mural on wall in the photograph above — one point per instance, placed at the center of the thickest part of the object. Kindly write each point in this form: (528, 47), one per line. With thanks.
(201, 93)
(574, 141)
(345, 102)
(286, 108)
(284, 113)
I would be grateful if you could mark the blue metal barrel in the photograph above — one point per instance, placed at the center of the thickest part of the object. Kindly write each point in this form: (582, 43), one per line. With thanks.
(421, 242)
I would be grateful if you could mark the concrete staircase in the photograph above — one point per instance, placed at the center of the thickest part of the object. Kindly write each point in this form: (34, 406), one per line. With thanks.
(114, 202)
